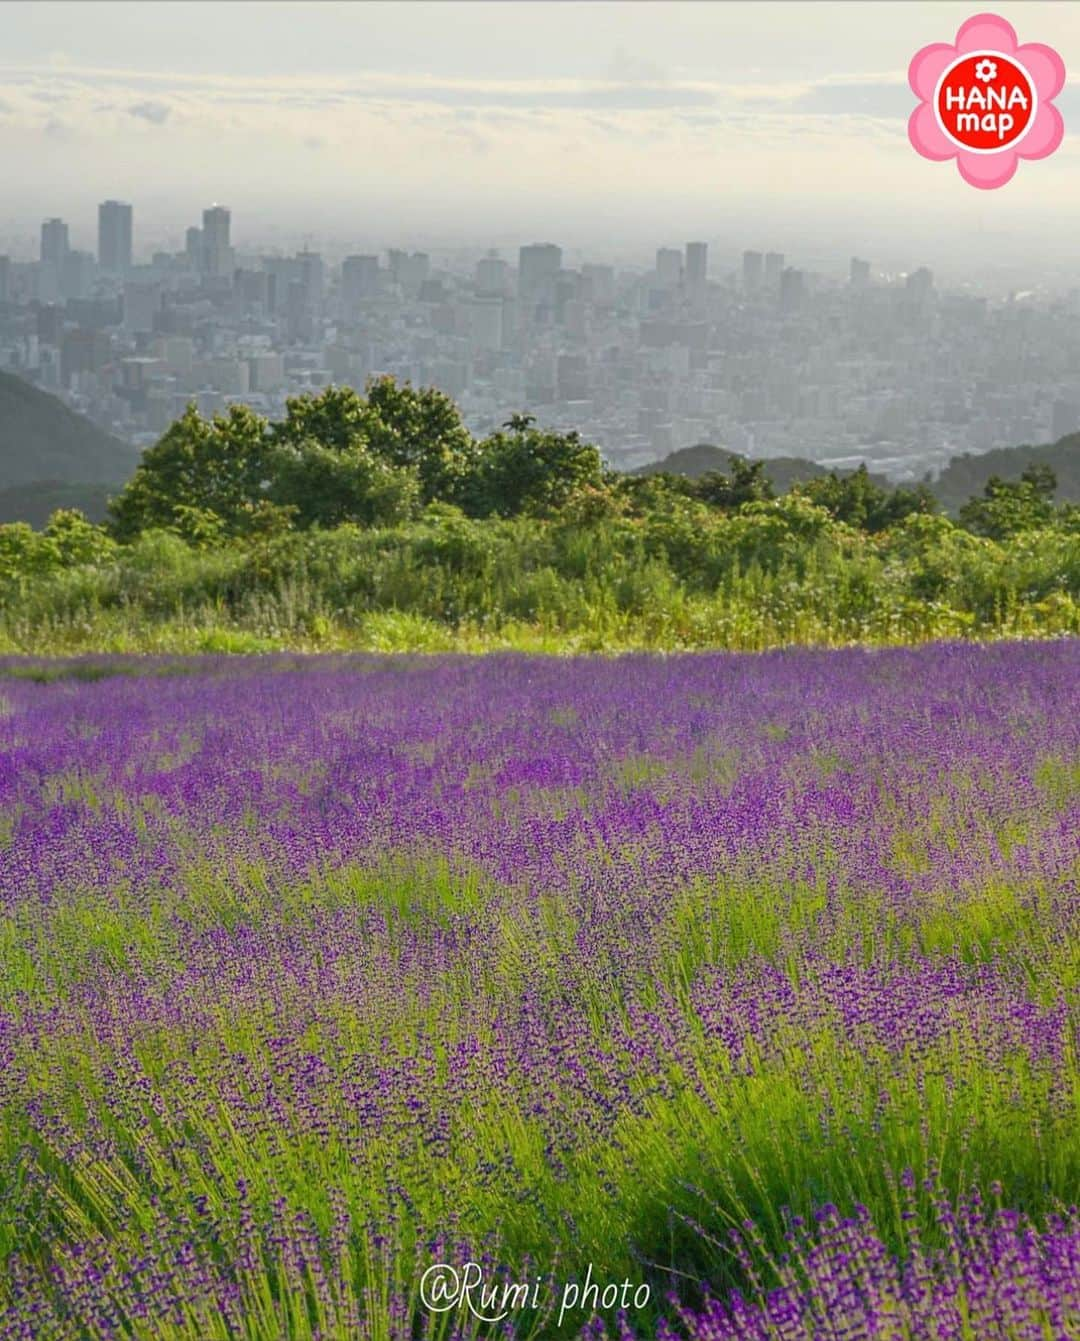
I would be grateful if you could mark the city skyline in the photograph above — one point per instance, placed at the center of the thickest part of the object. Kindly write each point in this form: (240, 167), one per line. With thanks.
(442, 125)
(760, 352)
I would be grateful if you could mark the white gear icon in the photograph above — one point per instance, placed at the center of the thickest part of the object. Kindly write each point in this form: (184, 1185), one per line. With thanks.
(986, 71)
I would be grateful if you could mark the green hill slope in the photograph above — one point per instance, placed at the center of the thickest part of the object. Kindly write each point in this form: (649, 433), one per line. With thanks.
(41, 439)
(784, 471)
(36, 502)
(966, 475)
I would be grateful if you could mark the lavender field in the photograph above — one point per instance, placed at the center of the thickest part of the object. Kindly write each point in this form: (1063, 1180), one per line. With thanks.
(748, 981)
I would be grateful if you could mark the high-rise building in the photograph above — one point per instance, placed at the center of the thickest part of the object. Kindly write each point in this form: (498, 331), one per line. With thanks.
(193, 247)
(751, 271)
(774, 268)
(311, 274)
(600, 280)
(83, 351)
(859, 273)
(792, 287)
(538, 269)
(697, 264)
(359, 280)
(484, 317)
(669, 267)
(54, 242)
(77, 275)
(217, 257)
(5, 279)
(920, 283)
(114, 237)
(491, 275)
(408, 271)
(142, 303)
(216, 223)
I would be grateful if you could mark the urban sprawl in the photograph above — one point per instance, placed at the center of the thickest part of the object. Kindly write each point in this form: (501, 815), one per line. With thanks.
(762, 357)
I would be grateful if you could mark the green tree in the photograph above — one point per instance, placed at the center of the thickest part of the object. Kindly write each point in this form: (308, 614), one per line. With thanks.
(418, 431)
(527, 470)
(75, 540)
(1010, 506)
(220, 466)
(327, 485)
(747, 483)
(858, 501)
(422, 430)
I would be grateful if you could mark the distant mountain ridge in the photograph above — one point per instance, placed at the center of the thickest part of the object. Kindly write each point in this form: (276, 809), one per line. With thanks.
(36, 502)
(42, 440)
(784, 471)
(964, 476)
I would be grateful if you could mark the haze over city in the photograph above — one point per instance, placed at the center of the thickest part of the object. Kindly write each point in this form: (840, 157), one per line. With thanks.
(659, 225)
(374, 125)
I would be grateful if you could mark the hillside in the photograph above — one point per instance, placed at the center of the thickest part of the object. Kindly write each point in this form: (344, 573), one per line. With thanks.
(41, 439)
(784, 471)
(966, 475)
(36, 502)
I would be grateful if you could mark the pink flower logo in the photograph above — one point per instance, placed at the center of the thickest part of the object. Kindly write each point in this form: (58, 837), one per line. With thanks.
(986, 101)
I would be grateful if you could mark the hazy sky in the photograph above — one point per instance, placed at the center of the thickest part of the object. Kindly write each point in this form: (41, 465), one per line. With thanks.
(599, 124)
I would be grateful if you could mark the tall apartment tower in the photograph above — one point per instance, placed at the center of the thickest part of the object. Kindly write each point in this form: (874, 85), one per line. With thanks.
(54, 242)
(697, 264)
(114, 237)
(774, 268)
(217, 253)
(792, 289)
(751, 271)
(669, 267)
(359, 280)
(859, 273)
(538, 268)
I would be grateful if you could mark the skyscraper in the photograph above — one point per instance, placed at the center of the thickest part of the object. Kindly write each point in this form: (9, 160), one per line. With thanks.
(114, 237)
(538, 279)
(697, 264)
(491, 275)
(774, 268)
(920, 283)
(359, 280)
(54, 242)
(217, 253)
(193, 246)
(860, 273)
(751, 271)
(216, 222)
(5, 279)
(538, 268)
(77, 275)
(792, 288)
(669, 267)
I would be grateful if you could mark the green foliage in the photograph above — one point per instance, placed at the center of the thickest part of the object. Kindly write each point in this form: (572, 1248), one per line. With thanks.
(422, 431)
(858, 501)
(358, 515)
(75, 540)
(746, 483)
(23, 552)
(526, 470)
(328, 485)
(220, 466)
(967, 475)
(1009, 507)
